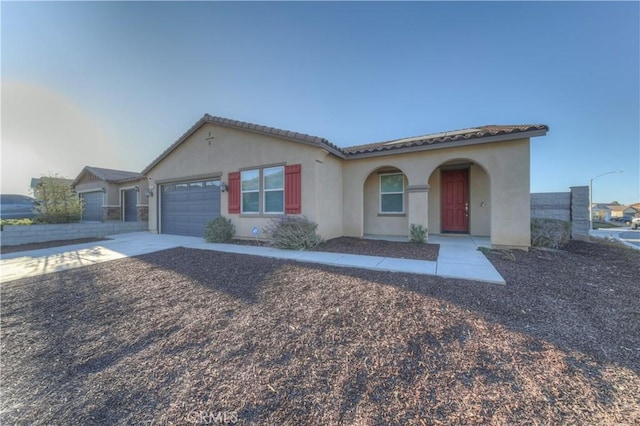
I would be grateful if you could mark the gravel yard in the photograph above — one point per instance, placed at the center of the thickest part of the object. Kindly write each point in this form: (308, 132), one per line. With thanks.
(189, 336)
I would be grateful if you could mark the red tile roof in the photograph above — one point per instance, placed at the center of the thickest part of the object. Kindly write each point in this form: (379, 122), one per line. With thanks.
(488, 131)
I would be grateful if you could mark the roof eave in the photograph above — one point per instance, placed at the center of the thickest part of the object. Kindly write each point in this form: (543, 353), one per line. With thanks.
(468, 142)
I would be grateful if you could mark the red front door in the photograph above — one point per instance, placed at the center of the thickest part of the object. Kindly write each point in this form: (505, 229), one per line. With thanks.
(455, 201)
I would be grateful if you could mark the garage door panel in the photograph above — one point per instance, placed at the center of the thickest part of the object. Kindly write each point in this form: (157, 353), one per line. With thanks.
(188, 210)
(92, 206)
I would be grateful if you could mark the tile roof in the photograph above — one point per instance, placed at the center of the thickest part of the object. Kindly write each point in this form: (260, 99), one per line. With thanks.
(462, 135)
(109, 175)
(486, 133)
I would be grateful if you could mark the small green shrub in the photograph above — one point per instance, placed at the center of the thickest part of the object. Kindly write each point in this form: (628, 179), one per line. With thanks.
(550, 233)
(219, 230)
(418, 234)
(17, 222)
(292, 232)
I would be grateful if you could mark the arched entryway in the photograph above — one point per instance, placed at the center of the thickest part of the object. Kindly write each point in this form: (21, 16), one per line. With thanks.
(385, 203)
(459, 198)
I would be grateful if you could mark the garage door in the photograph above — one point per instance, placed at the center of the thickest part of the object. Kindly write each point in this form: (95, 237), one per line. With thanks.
(186, 207)
(92, 210)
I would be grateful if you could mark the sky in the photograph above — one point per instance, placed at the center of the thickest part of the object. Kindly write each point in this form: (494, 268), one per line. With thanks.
(112, 84)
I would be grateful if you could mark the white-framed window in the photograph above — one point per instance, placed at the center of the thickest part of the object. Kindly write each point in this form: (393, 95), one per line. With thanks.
(250, 191)
(392, 193)
(273, 186)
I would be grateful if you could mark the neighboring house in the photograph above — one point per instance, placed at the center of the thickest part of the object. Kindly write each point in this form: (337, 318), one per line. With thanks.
(636, 206)
(630, 211)
(617, 211)
(35, 184)
(112, 195)
(472, 181)
(600, 212)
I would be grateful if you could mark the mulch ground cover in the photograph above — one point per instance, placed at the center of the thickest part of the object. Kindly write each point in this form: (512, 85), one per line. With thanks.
(189, 336)
(48, 244)
(368, 247)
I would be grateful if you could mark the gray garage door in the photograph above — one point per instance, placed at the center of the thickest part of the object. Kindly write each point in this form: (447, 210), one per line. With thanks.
(130, 199)
(92, 206)
(186, 207)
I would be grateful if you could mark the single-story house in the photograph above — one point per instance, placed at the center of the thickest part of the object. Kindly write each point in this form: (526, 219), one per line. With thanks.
(472, 181)
(601, 212)
(109, 194)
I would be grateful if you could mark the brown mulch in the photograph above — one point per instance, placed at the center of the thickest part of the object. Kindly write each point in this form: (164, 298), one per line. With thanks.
(47, 244)
(189, 336)
(352, 245)
(405, 250)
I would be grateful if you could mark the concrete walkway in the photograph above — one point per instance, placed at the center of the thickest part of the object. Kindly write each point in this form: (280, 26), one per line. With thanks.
(459, 256)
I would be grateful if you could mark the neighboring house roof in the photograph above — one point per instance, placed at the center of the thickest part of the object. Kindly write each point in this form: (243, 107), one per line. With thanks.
(490, 133)
(36, 181)
(109, 175)
(615, 208)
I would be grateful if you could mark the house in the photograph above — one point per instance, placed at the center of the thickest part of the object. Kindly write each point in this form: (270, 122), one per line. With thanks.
(630, 211)
(112, 194)
(472, 181)
(600, 212)
(35, 184)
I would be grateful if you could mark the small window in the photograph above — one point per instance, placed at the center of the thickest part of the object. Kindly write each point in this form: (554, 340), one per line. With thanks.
(182, 186)
(392, 193)
(250, 187)
(274, 190)
(168, 188)
(210, 183)
(196, 185)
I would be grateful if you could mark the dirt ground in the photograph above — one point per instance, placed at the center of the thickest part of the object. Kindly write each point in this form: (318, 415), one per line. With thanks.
(190, 337)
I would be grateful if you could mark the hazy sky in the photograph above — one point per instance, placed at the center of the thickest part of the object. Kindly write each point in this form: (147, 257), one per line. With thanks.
(113, 84)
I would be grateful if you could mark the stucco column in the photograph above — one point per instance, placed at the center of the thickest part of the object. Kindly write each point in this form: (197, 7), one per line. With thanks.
(418, 205)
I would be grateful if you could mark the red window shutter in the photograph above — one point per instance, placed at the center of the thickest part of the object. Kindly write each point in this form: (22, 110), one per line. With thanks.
(292, 189)
(234, 192)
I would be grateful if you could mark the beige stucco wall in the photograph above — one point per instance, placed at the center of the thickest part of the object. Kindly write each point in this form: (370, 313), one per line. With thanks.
(232, 150)
(507, 171)
(382, 224)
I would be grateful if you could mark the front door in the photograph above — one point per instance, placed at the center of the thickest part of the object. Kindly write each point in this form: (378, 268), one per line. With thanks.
(130, 208)
(455, 201)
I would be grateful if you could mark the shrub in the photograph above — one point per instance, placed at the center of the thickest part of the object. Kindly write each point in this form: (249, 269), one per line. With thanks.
(551, 233)
(219, 230)
(292, 232)
(17, 222)
(418, 234)
(57, 202)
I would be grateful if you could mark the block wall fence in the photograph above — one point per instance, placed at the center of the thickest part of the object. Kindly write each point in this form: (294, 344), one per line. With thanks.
(12, 235)
(572, 206)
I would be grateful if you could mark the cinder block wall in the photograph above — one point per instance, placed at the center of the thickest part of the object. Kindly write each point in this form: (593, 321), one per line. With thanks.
(12, 235)
(570, 206)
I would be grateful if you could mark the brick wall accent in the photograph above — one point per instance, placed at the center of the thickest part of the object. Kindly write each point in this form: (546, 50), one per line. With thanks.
(111, 213)
(143, 213)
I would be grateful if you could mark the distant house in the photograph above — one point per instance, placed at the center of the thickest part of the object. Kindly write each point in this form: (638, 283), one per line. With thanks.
(600, 212)
(110, 194)
(35, 184)
(606, 212)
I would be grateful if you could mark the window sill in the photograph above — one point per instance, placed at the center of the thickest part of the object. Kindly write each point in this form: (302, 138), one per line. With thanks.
(392, 215)
(261, 215)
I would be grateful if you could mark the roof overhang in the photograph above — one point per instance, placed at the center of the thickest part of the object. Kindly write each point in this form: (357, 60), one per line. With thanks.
(453, 144)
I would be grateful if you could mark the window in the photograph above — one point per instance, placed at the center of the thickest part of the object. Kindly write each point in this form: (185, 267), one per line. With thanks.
(273, 190)
(250, 188)
(270, 190)
(392, 193)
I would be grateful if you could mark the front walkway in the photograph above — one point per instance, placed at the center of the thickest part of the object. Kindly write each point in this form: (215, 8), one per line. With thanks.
(459, 256)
